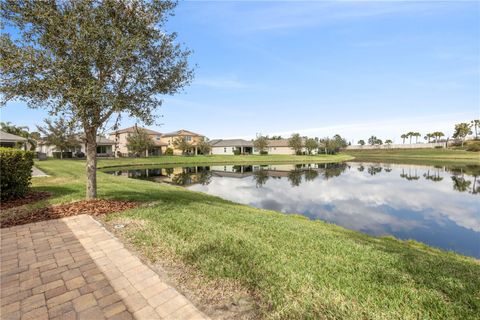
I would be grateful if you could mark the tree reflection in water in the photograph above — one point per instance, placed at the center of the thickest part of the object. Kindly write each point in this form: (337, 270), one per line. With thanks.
(464, 178)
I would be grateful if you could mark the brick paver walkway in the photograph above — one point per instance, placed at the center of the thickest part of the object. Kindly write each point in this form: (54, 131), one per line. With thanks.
(72, 268)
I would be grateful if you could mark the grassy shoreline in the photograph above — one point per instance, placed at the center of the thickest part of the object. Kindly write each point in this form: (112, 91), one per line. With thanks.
(416, 156)
(295, 267)
(219, 159)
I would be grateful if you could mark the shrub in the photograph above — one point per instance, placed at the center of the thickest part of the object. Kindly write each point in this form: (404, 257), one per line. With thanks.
(66, 155)
(169, 152)
(473, 147)
(438, 147)
(236, 152)
(15, 172)
(263, 152)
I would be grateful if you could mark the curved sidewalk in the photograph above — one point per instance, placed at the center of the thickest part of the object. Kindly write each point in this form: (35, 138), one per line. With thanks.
(73, 268)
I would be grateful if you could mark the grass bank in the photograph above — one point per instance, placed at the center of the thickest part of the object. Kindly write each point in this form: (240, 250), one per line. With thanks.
(416, 156)
(296, 268)
(218, 159)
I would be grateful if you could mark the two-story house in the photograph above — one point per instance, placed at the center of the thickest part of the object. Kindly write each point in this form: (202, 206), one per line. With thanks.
(161, 141)
(191, 137)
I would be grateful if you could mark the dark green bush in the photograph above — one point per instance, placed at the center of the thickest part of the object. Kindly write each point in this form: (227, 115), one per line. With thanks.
(473, 147)
(264, 152)
(169, 152)
(236, 152)
(15, 172)
(66, 155)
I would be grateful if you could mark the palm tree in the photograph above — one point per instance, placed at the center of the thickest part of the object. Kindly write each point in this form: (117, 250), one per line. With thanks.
(428, 136)
(388, 141)
(416, 135)
(404, 136)
(475, 123)
(410, 135)
(438, 135)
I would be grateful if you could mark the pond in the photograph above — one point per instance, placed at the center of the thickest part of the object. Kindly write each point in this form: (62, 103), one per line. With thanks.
(436, 205)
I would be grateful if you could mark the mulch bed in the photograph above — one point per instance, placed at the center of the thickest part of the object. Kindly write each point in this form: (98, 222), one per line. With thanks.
(28, 198)
(91, 207)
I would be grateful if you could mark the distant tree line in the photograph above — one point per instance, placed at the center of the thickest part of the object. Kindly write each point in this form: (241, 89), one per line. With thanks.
(303, 144)
(461, 131)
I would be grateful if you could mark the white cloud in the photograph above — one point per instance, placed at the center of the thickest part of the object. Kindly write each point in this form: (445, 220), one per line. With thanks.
(220, 83)
(361, 202)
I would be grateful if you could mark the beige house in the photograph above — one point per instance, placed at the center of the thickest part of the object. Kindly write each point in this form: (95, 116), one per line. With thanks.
(120, 138)
(161, 141)
(230, 146)
(191, 137)
(105, 148)
(10, 140)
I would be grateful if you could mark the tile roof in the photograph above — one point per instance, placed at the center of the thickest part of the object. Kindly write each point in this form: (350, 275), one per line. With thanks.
(132, 129)
(8, 137)
(181, 132)
(231, 143)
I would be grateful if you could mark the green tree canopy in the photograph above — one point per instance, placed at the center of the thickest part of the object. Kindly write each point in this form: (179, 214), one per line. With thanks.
(59, 133)
(182, 144)
(334, 144)
(295, 142)
(462, 130)
(311, 144)
(91, 60)
(139, 142)
(361, 142)
(476, 124)
(372, 140)
(204, 147)
(260, 143)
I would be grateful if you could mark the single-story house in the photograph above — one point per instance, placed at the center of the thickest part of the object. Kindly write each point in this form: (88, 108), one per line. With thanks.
(230, 146)
(105, 147)
(10, 140)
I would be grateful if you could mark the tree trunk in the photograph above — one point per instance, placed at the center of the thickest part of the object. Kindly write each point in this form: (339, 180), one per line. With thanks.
(61, 153)
(91, 145)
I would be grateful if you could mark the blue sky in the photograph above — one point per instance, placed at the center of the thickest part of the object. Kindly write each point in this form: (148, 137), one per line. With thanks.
(320, 68)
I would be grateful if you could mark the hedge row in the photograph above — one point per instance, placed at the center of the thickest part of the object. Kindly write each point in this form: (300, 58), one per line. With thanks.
(15, 172)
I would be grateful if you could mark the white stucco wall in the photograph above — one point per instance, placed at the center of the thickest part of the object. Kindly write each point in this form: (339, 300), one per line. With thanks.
(221, 151)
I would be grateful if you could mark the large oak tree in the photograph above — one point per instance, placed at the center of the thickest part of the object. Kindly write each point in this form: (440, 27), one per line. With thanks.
(90, 61)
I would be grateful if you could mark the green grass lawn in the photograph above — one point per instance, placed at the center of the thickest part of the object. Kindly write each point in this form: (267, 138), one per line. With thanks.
(164, 160)
(420, 156)
(296, 268)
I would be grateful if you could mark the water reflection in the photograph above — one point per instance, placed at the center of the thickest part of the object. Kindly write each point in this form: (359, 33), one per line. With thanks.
(437, 205)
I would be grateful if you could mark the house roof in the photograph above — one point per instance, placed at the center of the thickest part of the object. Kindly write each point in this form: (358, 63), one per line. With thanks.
(231, 143)
(101, 141)
(214, 141)
(8, 137)
(133, 128)
(160, 143)
(104, 141)
(278, 143)
(181, 132)
(282, 143)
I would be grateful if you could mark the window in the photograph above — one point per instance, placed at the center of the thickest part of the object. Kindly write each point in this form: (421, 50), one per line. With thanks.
(158, 137)
(101, 149)
(188, 138)
(224, 150)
